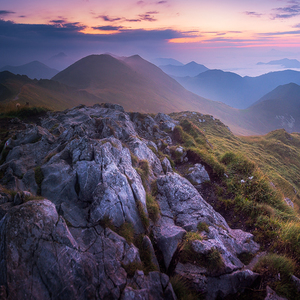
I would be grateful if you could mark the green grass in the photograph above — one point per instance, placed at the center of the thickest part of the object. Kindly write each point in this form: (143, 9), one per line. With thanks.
(143, 216)
(202, 226)
(152, 207)
(183, 289)
(126, 230)
(145, 255)
(276, 271)
(212, 261)
(250, 177)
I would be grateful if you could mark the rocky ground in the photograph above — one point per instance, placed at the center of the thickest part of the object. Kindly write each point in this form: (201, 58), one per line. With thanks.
(70, 183)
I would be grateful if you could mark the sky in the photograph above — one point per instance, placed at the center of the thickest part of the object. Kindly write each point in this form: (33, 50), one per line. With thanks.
(226, 34)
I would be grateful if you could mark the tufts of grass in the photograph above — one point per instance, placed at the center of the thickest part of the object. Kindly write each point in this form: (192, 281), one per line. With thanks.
(290, 237)
(134, 159)
(276, 271)
(132, 267)
(126, 230)
(145, 255)
(202, 226)
(144, 218)
(152, 207)
(238, 163)
(183, 289)
(183, 138)
(214, 167)
(212, 261)
(106, 222)
(144, 165)
(39, 177)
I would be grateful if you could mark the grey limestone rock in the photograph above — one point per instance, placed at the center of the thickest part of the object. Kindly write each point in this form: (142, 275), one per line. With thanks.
(167, 236)
(194, 274)
(166, 165)
(229, 283)
(87, 176)
(197, 174)
(155, 285)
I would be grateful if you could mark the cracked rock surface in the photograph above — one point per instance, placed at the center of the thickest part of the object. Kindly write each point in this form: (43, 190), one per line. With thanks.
(81, 168)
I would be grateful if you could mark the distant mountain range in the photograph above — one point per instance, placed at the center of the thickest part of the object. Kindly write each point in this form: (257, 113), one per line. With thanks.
(138, 85)
(34, 69)
(234, 90)
(191, 69)
(134, 83)
(167, 61)
(285, 63)
(278, 109)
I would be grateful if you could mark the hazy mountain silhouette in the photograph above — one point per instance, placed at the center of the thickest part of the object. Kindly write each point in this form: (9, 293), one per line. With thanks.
(167, 61)
(278, 109)
(34, 69)
(234, 90)
(136, 84)
(59, 61)
(285, 63)
(191, 69)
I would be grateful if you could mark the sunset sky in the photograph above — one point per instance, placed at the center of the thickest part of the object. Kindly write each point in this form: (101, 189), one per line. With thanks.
(217, 33)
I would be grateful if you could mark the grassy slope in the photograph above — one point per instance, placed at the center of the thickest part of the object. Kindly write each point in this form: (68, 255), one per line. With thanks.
(260, 172)
(277, 153)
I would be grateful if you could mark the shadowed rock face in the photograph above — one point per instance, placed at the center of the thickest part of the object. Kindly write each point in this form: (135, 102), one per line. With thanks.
(86, 164)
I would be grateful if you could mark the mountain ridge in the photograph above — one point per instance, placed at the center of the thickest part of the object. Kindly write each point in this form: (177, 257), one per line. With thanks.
(34, 69)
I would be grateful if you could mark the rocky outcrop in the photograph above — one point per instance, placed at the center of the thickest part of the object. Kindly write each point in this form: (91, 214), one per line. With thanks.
(41, 258)
(92, 168)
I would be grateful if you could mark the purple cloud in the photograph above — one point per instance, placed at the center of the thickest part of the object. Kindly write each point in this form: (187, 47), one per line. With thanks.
(252, 14)
(108, 28)
(147, 17)
(109, 19)
(6, 12)
(288, 11)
